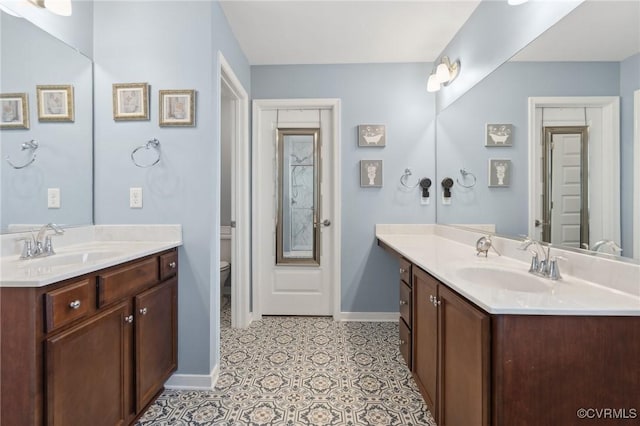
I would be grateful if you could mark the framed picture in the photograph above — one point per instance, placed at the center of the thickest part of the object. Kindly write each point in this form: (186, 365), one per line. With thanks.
(55, 103)
(15, 111)
(499, 135)
(499, 173)
(371, 135)
(130, 101)
(177, 108)
(371, 173)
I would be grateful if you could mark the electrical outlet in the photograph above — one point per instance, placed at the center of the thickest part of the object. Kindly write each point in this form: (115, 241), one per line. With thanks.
(135, 198)
(53, 198)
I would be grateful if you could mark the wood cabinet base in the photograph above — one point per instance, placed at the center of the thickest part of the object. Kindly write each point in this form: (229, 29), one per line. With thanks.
(72, 357)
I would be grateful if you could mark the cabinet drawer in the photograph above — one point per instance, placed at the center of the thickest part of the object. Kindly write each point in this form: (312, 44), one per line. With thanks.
(124, 282)
(405, 271)
(168, 265)
(66, 304)
(405, 343)
(405, 302)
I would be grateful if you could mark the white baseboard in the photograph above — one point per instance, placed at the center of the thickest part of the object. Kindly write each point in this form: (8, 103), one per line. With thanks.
(369, 316)
(193, 381)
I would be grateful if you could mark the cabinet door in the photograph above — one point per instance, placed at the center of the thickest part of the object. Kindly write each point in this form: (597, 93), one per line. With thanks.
(86, 369)
(425, 335)
(464, 368)
(156, 328)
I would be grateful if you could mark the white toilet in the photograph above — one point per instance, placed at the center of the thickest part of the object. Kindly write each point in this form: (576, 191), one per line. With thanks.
(225, 271)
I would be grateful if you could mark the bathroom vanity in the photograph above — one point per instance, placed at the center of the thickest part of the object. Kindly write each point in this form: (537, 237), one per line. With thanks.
(89, 349)
(521, 351)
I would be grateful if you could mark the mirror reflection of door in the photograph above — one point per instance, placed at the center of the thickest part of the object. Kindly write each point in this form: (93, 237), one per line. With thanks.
(565, 195)
(297, 230)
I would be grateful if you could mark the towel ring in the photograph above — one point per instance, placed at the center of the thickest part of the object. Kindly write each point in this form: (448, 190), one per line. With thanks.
(466, 174)
(153, 143)
(405, 177)
(31, 145)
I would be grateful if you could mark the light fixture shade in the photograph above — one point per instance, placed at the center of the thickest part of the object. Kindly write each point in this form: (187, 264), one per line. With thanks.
(59, 7)
(443, 74)
(432, 84)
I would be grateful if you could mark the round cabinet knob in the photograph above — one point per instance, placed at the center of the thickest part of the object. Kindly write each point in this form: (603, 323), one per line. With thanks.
(128, 318)
(431, 298)
(403, 302)
(172, 265)
(143, 311)
(402, 342)
(75, 304)
(402, 270)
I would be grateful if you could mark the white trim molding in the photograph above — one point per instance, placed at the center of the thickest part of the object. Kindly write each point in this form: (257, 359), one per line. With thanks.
(609, 187)
(369, 316)
(334, 107)
(194, 381)
(241, 234)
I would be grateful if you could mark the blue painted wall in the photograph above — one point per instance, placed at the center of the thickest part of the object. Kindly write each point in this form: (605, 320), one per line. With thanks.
(390, 94)
(629, 82)
(502, 98)
(170, 45)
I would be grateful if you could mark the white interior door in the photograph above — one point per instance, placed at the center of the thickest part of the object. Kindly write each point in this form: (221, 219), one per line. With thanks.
(566, 189)
(294, 288)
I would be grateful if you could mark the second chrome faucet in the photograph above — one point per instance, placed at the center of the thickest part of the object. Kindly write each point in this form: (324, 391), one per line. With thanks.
(542, 264)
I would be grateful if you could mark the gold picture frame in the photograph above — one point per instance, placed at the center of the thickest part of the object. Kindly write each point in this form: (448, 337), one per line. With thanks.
(55, 102)
(130, 101)
(177, 108)
(14, 111)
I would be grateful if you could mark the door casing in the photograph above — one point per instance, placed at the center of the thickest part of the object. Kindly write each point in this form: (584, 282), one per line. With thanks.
(260, 106)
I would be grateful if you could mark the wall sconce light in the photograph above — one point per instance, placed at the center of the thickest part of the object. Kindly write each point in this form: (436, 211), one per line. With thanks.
(444, 74)
(59, 7)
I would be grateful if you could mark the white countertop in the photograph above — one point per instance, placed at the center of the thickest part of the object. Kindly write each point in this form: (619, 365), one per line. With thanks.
(445, 258)
(103, 247)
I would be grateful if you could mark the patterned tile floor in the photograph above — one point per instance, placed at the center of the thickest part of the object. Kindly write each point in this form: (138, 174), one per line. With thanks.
(301, 371)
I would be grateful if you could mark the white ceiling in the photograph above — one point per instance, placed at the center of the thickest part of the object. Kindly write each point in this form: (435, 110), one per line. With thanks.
(336, 32)
(373, 31)
(597, 30)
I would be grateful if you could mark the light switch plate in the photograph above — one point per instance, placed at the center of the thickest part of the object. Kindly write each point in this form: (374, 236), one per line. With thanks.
(135, 198)
(53, 198)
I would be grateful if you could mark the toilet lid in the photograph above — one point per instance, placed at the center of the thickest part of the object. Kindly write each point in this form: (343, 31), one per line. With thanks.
(224, 265)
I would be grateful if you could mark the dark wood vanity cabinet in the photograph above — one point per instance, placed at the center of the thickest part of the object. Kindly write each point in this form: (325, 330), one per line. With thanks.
(406, 312)
(451, 353)
(478, 369)
(91, 350)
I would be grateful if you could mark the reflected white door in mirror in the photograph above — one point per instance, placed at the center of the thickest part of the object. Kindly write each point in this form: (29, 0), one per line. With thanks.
(574, 170)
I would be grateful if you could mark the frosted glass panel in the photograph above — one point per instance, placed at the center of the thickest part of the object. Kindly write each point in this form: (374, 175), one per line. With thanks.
(297, 238)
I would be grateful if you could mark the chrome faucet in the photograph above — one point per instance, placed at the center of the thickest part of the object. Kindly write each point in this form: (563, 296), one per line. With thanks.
(605, 243)
(548, 266)
(40, 245)
(43, 244)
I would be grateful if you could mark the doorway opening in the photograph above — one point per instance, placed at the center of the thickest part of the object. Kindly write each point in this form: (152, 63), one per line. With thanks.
(234, 200)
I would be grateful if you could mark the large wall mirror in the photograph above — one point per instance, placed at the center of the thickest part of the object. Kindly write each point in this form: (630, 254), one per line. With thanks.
(566, 172)
(46, 143)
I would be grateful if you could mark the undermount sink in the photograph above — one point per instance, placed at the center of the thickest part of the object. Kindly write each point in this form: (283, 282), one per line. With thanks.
(504, 279)
(71, 258)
